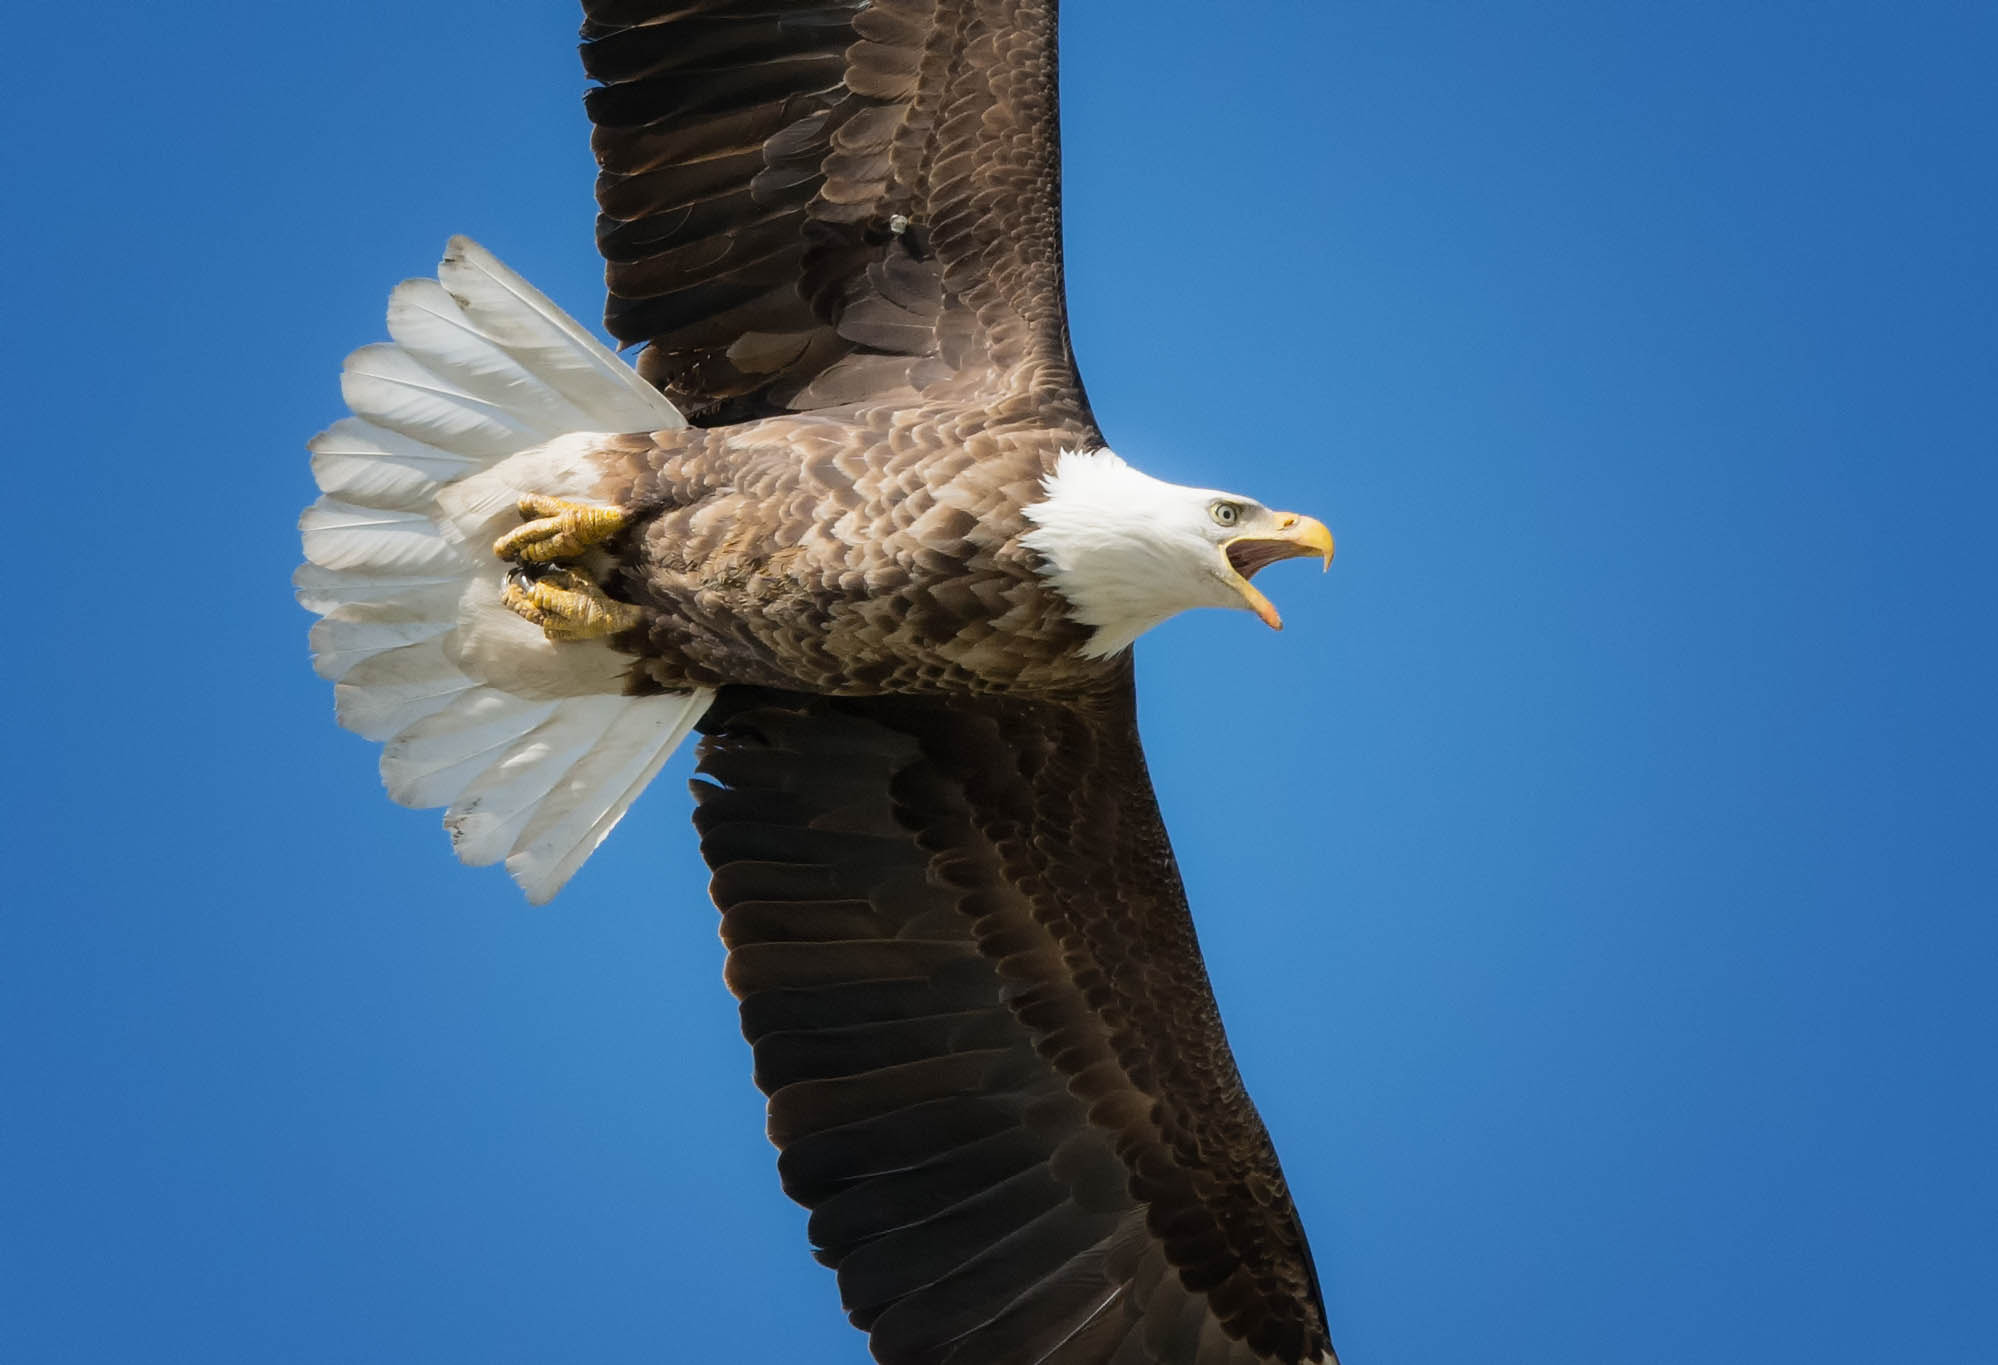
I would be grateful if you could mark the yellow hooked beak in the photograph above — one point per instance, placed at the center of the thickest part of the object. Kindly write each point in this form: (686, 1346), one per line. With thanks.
(1285, 535)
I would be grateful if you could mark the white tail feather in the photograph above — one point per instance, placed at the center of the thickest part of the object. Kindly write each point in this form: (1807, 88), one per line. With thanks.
(322, 590)
(339, 535)
(386, 693)
(371, 466)
(594, 795)
(551, 343)
(428, 323)
(354, 634)
(487, 817)
(390, 387)
(433, 760)
(488, 391)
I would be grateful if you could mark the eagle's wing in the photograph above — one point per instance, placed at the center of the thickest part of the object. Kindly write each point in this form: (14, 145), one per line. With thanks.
(994, 1063)
(811, 203)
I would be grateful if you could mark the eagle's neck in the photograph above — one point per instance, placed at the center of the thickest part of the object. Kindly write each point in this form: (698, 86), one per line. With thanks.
(1111, 541)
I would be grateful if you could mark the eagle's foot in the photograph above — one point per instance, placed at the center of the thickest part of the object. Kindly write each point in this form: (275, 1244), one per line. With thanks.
(567, 605)
(560, 530)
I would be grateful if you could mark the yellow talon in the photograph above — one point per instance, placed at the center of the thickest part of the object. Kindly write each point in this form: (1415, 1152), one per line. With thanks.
(568, 606)
(561, 530)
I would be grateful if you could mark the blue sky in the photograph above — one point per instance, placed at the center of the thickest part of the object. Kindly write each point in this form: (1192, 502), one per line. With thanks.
(1597, 874)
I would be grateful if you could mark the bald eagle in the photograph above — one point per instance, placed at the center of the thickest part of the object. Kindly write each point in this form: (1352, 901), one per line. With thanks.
(850, 517)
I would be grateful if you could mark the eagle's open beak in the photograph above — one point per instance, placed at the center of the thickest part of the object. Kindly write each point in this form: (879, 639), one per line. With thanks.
(1295, 535)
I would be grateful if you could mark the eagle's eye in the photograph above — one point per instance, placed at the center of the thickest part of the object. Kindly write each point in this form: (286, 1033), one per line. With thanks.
(1225, 513)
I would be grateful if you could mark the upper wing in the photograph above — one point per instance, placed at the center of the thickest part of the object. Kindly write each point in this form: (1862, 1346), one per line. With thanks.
(809, 203)
(994, 1064)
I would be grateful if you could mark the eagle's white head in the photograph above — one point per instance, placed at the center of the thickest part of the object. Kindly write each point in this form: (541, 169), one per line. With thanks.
(1128, 550)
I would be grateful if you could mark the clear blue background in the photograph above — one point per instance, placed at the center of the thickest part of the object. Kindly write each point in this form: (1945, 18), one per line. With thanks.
(1597, 875)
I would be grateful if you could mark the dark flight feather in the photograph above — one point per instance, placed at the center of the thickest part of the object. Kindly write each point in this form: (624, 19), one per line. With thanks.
(1021, 1132)
(877, 182)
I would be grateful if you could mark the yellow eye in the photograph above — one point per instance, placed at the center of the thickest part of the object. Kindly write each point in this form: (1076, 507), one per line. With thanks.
(1225, 513)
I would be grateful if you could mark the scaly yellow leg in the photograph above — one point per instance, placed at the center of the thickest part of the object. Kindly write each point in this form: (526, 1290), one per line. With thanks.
(568, 605)
(561, 530)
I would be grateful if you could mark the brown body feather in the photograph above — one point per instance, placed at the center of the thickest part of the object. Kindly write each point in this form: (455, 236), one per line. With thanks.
(844, 554)
(964, 956)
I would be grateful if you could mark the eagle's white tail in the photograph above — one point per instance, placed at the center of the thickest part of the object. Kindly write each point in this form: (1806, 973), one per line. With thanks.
(531, 745)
